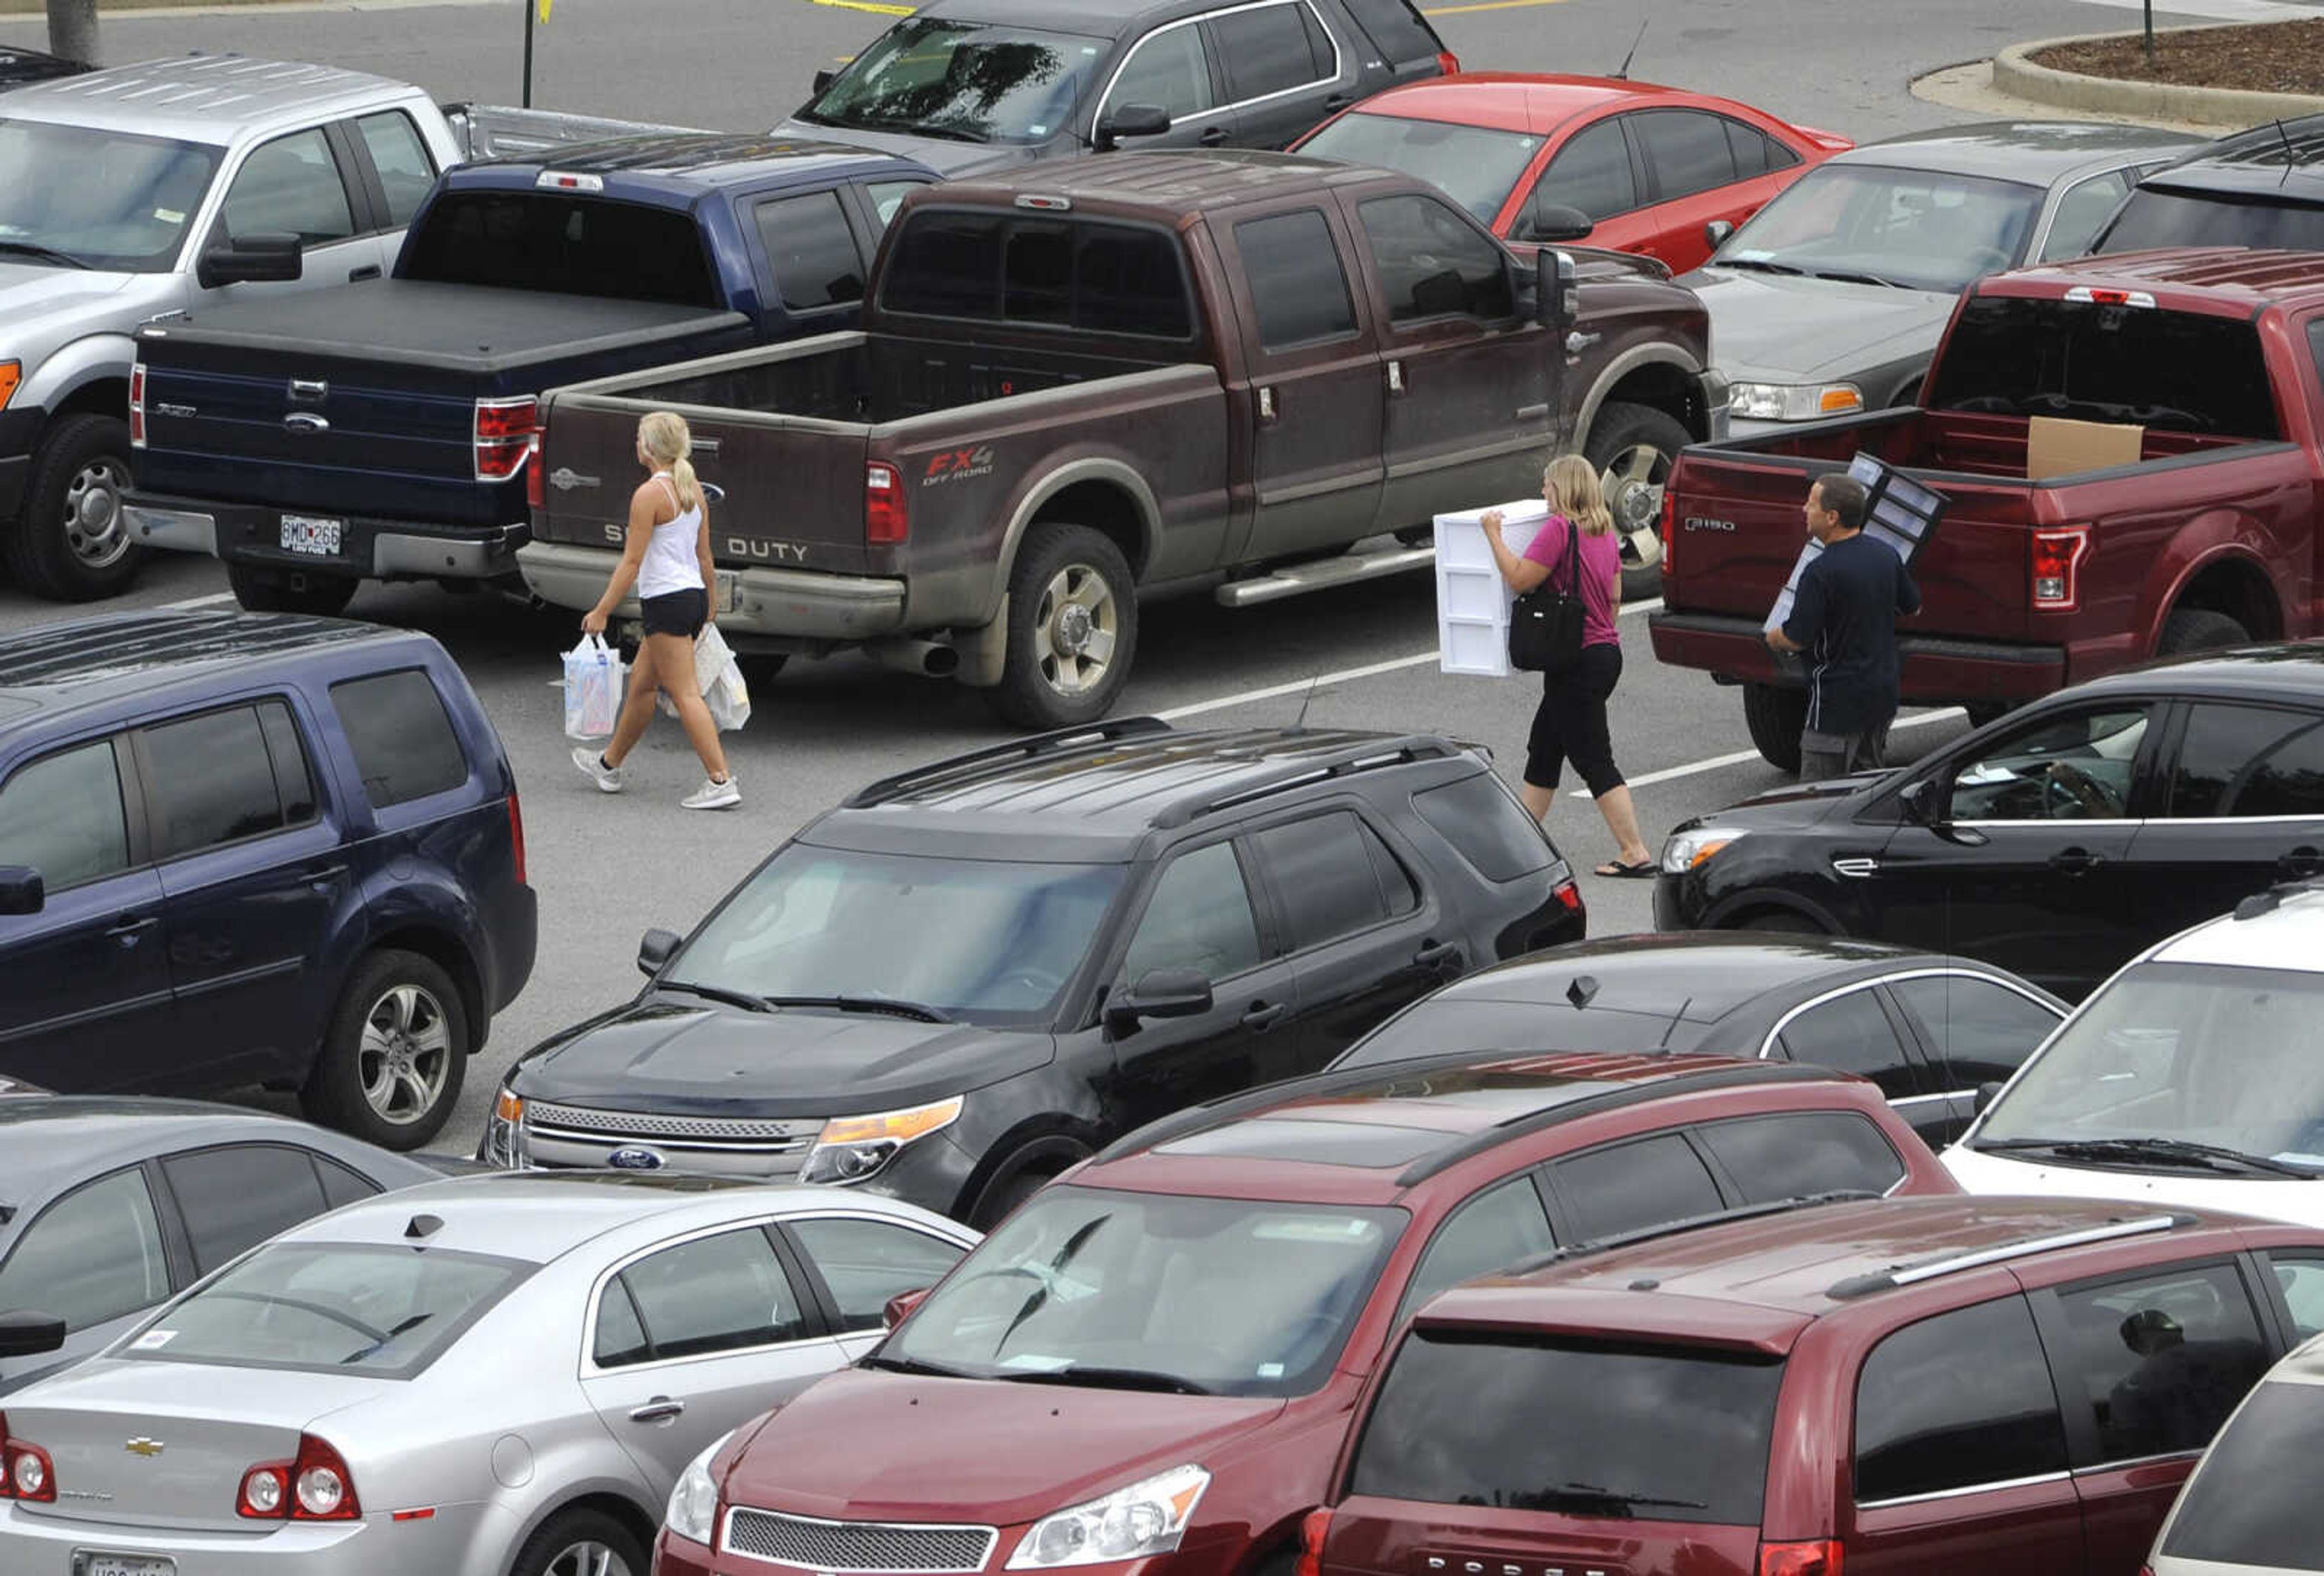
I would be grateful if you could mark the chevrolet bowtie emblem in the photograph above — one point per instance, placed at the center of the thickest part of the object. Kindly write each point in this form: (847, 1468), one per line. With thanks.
(148, 1448)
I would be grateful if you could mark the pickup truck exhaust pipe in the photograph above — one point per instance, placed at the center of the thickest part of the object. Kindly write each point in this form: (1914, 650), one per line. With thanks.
(924, 657)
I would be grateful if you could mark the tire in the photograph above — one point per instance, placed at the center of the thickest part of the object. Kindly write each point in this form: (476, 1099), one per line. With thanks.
(574, 1543)
(1070, 587)
(1781, 922)
(394, 1055)
(1633, 446)
(290, 590)
(1417, 536)
(1775, 715)
(1005, 1197)
(761, 668)
(2198, 629)
(68, 543)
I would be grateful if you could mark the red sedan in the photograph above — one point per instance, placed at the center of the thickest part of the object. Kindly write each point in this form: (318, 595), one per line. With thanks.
(1648, 170)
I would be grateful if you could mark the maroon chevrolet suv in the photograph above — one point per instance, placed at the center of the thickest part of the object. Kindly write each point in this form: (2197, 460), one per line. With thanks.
(1906, 1387)
(1153, 1363)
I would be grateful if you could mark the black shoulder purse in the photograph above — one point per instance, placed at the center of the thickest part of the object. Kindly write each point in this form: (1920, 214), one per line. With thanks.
(1545, 624)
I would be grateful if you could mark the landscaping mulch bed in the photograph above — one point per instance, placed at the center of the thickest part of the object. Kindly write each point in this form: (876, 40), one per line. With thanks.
(2272, 57)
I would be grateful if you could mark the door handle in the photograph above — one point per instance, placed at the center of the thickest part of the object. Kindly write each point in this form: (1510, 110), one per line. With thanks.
(2075, 862)
(130, 926)
(1264, 1015)
(1577, 342)
(661, 1409)
(1432, 952)
(1396, 377)
(1213, 136)
(1339, 101)
(1267, 404)
(369, 271)
(324, 875)
(1534, 412)
(305, 422)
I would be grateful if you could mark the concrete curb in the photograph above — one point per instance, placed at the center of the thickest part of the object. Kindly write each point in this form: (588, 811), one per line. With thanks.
(2015, 73)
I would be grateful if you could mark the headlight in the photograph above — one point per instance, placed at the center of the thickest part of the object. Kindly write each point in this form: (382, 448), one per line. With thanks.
(1129, 1523)
(1686, 850)
(1792, 401)
(692, 1512)
(504, 1140)
(11, 372)
(852, 1147)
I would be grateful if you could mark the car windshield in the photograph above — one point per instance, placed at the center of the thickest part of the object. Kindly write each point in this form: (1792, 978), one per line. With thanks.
(986, 941)
(968, 81)
(1476, 167)
(1451, 1026)
(126, 206)
(2214, 1061)
(1913, 228)
(330, 1308)
(1210, 1295)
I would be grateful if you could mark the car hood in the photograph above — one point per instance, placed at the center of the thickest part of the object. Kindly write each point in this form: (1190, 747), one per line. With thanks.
(672, 1054)
(864, 1446)
(1789, 808)
(2267, 1198)
(1773, 327)
(946, 157)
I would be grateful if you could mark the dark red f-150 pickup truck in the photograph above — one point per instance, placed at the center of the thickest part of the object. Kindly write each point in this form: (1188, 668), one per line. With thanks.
(2197, 375)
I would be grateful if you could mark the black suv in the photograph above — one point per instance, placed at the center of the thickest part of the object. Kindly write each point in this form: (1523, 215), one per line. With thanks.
(2262, 188)
(969, 977)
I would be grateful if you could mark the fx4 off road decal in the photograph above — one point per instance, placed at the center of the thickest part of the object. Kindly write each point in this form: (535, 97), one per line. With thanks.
(956, 465)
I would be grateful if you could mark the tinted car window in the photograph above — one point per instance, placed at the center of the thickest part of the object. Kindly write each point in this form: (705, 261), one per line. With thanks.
(401, 161)
(572, 246)
(2158, 1363)
(62, 817)
(811, 250)
(1167, 69)
(341, 1185)
(1954, 1401)
(2288, 781)
(1688, 148)
(1116, 278)
(863, 1263)
(294, 781)
(1757, 154)
(1431, 263)
(1265, 49)
(94, 1255)
(1773, 1157)
(2156, 217)
(2072, 767)
(1592, 172)
(1461, 1422)
(1983, 1030)
(291, 185)
(237, 1197)
(1199, 917)
(1295, 278)
(1498, 1227)
(1852, 1034)
(2080, 212)
(2253, 1502)
(401, 735)
(725, 1293)
(2234, 759)
(1487, 826)
(1323, 877)
(1397, 27)
(620, 1338)
(1626, 1187)
(210, 782)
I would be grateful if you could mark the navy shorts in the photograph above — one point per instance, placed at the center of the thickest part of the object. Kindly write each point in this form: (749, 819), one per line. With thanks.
(677, 613)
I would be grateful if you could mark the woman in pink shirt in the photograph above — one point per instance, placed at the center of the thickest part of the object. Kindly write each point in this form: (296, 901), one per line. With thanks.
(1571, 724)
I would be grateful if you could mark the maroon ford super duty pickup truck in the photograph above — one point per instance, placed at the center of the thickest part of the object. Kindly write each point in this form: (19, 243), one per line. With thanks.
(1075, 384)
(2205, 363)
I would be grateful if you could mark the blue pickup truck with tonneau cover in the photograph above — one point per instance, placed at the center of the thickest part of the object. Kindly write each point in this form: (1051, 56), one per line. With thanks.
(379, 430)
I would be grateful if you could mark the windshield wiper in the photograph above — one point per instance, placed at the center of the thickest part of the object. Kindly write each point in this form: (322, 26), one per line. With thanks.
(911, 128)
(1612, 1501)
(40, 254)
(2167, 1151)
(888, 1004)
(1109, 1378)
(912, 1364)
(1856, 276)
(742, 999)
(1757, 264)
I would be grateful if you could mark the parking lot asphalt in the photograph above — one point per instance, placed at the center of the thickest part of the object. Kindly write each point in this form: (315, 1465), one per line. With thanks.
(607, 868)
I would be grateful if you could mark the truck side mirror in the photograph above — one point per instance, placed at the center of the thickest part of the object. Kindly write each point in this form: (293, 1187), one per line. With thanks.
(1556, 299)
(1159, 993)
(25, 1333)
(1132, 120)
(1715, 234)
(899, 1307)
(1554, 221)
(655, 948)
(268, 258)
(22, 891)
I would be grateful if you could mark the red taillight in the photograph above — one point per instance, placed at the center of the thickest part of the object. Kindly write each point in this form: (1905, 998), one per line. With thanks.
(886, 519)
(1817, 1559)
(1313, 1530)
(137, 406)
(2055, 563)
(504, 432)
(536, 483)
(1447, 63)
(1669, 524)
(316, 1487)
(26, 1473)
(1570, 895)
(516, 836)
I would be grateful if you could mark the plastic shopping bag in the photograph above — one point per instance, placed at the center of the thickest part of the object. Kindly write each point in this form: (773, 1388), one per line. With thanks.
(720, 677)
(593, 689)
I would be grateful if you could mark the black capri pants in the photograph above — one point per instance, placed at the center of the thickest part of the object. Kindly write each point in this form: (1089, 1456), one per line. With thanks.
(1571, 725)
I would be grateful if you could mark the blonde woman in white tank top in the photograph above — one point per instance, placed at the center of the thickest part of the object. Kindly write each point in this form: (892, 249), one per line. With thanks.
(666, 558)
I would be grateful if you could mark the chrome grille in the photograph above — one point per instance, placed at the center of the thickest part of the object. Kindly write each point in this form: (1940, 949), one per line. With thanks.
(573, 1121)
(864, 1547)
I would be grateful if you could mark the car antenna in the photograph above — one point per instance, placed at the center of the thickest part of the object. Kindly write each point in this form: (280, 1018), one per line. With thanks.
(1300, 721)
(2290, 157)
(1622, 71)
(1672, 1026)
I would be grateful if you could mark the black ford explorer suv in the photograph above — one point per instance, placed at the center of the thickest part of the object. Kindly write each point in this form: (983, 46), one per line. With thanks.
(969, 977)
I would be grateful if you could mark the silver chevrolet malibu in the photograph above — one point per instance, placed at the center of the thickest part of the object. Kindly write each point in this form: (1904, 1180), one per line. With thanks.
(495, 1376)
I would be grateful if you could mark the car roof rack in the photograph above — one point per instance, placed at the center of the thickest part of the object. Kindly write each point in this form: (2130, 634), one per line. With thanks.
(1778, 1206)
(1032, 748)
(1371, 755)
(1904, 1275)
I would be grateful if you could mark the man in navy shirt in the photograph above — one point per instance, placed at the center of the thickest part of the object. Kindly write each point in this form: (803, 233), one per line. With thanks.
(1844, 618)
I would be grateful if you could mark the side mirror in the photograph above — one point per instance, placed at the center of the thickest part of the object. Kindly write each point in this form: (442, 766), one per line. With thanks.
(22, 891)
(656, 948)
(1556, 299)
(262, 259)
(1554, 221)
(823, 79)
(1159, 993)
(1132, 120)
(1984, 1096)
(1715, 234)
(899, 1307)
(25, 1333)
(1919, 801)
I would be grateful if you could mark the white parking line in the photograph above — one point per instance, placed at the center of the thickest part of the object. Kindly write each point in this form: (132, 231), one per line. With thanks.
(213, 598)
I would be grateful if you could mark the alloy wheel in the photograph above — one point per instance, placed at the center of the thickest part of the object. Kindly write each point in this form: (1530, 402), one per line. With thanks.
(1074, 630)
(406, 1054)
(1633, 484)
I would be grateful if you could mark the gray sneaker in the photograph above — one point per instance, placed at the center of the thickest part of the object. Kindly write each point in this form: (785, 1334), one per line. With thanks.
(593, 766)
(714, 796)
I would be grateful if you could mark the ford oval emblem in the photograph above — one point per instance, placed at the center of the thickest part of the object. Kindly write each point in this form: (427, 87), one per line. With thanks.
(634, 1160)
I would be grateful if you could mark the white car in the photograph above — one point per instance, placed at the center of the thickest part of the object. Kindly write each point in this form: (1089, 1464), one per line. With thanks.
(2251, 1507)
(2194, 1077)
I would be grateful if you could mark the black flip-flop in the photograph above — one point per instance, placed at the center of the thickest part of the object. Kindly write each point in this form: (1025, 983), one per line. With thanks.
(1615, 869)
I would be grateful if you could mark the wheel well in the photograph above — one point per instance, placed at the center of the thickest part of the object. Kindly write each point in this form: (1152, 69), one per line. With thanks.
(452, 958)
(633, 1519)
(1043, 1156)
(104, 397)
(1106, 509)
(1666, 389)
(2238, 588)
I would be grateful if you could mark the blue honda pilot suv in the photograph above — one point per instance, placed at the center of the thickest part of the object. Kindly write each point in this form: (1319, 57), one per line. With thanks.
(242, 849)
